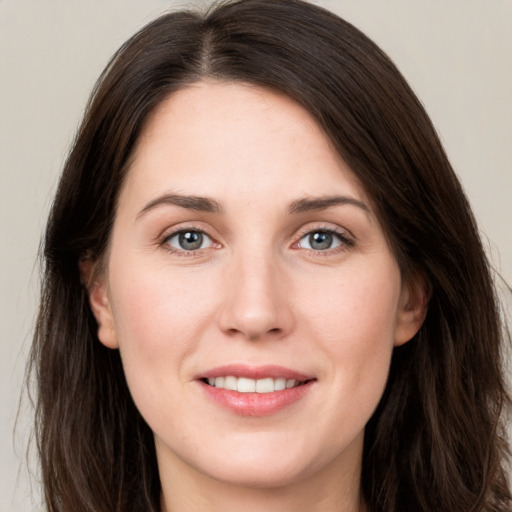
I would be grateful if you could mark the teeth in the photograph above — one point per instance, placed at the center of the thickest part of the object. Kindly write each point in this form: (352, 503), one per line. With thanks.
(290, 383)
(229, 383)
(265, 386)
(279, 384)
(244, 385)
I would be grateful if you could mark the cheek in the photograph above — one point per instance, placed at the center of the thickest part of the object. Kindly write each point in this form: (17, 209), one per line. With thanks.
(352, 316)
(154, 308)
(159, 320)
(358, 305)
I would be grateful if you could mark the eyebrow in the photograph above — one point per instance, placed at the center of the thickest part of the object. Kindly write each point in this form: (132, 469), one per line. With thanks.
(322, 203)
(206, 204)
(202, 204)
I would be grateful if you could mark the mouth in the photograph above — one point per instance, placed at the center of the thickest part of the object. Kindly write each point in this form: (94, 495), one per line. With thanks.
(255, 391)
(247, 385)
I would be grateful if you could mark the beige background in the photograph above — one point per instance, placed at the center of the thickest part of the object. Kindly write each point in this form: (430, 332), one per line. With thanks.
(457, 54)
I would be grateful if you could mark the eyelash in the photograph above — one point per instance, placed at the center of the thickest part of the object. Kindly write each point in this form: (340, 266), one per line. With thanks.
(181, 252)
(346, 242)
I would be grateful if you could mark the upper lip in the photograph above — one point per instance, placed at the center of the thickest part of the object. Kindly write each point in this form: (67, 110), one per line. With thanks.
(254, 372)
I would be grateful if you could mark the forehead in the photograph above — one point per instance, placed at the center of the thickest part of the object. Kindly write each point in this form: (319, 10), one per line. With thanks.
(213, 137)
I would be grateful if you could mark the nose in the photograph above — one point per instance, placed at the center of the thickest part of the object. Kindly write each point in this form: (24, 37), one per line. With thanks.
(256, 301)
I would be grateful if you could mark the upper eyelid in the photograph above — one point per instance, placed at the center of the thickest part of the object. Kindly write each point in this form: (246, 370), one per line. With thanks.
(164, 240)
(307, 229)
(299, 234)
(168, 234)
(174, 230)
(345, 236)
(172, 234)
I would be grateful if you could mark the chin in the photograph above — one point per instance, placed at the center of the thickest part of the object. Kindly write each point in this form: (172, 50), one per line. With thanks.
(268, 465)
(272, 474)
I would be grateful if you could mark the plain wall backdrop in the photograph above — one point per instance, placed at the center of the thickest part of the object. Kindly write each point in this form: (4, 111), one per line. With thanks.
(456, 54)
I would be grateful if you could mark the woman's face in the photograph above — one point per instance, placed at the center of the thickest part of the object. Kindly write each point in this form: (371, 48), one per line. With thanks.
(245, 258)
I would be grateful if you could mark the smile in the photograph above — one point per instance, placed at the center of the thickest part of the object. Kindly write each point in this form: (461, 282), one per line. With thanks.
(246, 385)
(255, 390)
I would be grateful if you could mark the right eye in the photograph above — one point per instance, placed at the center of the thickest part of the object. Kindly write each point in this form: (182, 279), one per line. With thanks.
(188, 240)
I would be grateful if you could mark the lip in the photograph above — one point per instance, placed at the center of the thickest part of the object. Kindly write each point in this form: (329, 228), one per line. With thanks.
(255, 404)
(254, 372)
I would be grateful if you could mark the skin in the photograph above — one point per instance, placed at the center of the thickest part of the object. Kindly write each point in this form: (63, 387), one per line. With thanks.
(257, 294)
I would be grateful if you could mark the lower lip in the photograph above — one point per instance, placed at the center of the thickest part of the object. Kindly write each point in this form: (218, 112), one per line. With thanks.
(256, 404)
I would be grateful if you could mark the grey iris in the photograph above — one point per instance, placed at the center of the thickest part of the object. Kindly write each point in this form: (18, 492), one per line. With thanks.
(320, 240)
(190, 240)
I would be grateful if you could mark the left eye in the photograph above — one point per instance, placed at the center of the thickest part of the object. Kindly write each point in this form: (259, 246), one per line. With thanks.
(189, 240)
(321, 240)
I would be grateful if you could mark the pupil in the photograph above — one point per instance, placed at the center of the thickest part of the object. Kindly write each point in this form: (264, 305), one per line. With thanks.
(320, 240)
(191, 240)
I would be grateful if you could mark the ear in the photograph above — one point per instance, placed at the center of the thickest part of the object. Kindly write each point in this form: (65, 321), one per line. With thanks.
(96, 284)
(412, 308)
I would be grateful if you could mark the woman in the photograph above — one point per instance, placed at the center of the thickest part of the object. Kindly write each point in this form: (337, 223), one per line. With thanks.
(264, 288)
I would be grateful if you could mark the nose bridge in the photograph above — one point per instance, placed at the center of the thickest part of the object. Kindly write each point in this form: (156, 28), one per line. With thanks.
(255, 303)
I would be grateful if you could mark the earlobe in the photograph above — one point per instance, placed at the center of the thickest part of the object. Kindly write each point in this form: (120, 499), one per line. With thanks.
(96, 286)
(413, 308)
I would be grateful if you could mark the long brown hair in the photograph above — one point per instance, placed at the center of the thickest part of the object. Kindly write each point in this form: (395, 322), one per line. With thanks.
(437, 440)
